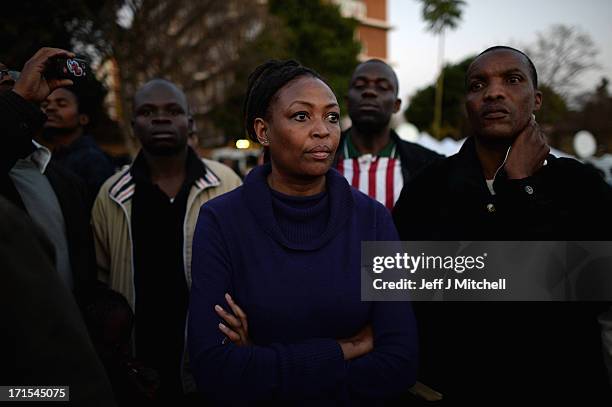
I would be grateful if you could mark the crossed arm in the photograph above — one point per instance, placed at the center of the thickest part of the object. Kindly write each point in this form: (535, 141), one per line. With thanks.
(378, 362)
(236, 329)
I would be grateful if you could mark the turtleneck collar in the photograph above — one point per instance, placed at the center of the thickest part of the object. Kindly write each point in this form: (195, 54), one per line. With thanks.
(335, 204)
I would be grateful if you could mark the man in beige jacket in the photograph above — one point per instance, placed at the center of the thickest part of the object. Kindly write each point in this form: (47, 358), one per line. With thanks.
(143, 220)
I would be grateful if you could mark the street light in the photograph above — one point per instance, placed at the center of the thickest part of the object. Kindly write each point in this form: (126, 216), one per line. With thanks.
(243, 144)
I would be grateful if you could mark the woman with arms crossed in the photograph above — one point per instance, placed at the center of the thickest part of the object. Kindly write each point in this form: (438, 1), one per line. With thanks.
(286, 247)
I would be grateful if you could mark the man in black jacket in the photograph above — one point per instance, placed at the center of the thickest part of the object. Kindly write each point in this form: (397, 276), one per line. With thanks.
(55, 199)
(371, 155)
(504, 185)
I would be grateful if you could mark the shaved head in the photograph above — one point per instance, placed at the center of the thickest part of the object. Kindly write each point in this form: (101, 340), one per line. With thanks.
(157, 84)
(388, 71)
(161, 119)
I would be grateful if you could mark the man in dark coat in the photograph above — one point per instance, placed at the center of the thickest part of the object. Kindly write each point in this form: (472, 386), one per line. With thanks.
(504, 185)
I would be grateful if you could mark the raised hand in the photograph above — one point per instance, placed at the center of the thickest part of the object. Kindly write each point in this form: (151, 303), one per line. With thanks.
(32, 85)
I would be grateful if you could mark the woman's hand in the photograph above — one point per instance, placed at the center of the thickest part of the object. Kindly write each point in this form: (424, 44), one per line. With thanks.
(359, 344)
(236, 327)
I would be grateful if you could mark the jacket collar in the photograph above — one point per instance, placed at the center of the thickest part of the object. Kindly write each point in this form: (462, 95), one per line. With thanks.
(83, 142)
(344, 136)
(123, 188)
(467, 171)
(344, 151)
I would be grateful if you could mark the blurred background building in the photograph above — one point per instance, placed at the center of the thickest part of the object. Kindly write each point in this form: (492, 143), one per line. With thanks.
(373, 26)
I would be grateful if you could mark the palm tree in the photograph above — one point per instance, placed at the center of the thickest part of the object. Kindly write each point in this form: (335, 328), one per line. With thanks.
(441, 15)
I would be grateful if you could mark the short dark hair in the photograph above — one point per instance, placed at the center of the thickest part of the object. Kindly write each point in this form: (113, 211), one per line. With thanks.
(380, 61)
(264, 82)
(88, 103)
(77, 96)
(89, 98)
(532, 69)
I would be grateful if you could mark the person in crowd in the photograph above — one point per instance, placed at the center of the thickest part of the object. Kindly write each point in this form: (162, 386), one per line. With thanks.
(143, 220)
(283, 249)
(371, 155)
(69, 112)
(53, 197)
(44, 341)
(504, 185)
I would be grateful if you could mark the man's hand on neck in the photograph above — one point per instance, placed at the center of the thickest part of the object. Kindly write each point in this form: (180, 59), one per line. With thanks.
(527, 154)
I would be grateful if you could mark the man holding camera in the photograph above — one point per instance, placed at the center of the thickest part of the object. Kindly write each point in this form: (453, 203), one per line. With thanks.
(54, 198)
(44, 341)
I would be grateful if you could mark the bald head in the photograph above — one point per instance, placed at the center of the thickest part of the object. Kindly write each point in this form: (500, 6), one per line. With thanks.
(154, 88)
(382, 68)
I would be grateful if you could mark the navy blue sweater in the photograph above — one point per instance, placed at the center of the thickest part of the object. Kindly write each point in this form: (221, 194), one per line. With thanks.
(300, 297)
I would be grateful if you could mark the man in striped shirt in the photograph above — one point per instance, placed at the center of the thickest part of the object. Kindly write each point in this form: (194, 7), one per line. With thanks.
(371, 156)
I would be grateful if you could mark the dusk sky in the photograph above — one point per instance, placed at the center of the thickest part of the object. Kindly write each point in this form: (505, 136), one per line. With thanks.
(414, 51)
